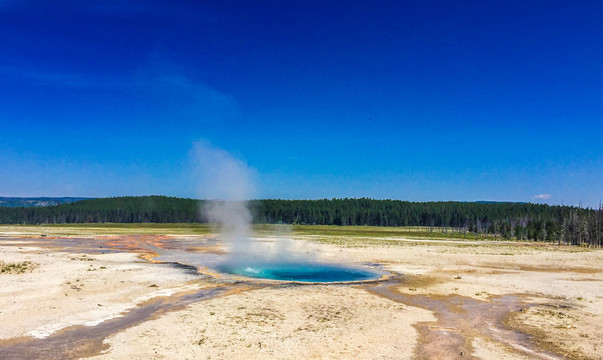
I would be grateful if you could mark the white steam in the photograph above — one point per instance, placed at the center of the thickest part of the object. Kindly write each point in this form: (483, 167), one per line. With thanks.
(221, 176)
(228, 183)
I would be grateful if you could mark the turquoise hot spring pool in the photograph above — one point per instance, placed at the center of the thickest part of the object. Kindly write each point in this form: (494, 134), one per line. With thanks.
(303, 272)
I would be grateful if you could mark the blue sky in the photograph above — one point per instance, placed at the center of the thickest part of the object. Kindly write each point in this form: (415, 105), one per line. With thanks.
(413, 100)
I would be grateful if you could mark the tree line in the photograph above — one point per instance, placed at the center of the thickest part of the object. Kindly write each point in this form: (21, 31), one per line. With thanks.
(523, 221)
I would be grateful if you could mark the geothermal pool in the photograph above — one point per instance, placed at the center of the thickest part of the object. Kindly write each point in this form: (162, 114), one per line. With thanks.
(303, 272)
(184, 253)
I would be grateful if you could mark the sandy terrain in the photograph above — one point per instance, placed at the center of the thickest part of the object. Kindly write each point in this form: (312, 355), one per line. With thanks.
(453, 300)
(300, 322)
(67, 289)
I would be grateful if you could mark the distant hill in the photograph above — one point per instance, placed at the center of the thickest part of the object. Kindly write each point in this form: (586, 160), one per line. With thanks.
(51, 201)
(37, 201)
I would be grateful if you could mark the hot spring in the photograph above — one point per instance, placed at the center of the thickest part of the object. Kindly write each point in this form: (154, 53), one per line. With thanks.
(300, 271)
(229, 182)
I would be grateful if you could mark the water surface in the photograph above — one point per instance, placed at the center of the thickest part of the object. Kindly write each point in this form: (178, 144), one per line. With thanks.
(299, 271)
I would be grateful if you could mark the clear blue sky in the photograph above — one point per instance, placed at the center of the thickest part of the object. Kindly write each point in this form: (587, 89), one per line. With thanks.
(414, 100)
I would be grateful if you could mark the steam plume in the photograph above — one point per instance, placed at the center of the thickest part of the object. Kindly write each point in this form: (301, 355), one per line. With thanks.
(228, 183)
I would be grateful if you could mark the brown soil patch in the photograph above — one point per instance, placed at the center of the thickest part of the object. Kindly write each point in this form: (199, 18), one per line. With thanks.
(460, 320)
(561, 328)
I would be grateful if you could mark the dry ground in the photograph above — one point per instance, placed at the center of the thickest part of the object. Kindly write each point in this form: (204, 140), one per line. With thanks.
(474, 298)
